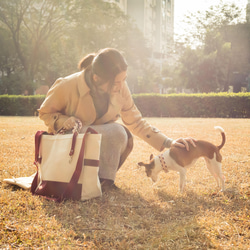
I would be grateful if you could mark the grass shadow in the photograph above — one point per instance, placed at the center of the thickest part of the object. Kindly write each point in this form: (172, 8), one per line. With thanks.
(125, 220)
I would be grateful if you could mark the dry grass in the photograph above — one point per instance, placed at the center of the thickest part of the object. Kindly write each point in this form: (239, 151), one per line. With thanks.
(141, 215)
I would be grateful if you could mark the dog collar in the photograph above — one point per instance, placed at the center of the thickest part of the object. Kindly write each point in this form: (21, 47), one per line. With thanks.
(163, 163)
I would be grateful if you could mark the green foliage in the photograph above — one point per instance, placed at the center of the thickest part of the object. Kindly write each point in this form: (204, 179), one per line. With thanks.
(222, 48)
(153, 105)
(194, 105)
(203, 25)
(44, 40)
(20, 105)
(32, 26)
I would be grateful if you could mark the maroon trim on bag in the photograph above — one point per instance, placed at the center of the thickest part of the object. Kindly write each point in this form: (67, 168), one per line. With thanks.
(55, 189)
(38, 138)
(92, 163)
(34, 184)
(72, 150)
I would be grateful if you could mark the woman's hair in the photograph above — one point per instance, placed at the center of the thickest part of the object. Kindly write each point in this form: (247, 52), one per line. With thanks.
(106, 63)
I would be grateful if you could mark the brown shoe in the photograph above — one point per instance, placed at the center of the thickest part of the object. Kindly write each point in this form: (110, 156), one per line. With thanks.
(108, 185)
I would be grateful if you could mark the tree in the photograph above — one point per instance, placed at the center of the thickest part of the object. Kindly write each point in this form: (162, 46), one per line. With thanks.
(49, 37)
(207, 80)
(211, 58)
(204, 24)
(31, 23)
(223, 66)
(189, 63)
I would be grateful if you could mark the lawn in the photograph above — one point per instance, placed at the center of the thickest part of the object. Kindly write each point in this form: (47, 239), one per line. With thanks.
(141, 215)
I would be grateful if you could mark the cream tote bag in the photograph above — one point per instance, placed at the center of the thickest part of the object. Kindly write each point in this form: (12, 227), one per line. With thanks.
(67, 166)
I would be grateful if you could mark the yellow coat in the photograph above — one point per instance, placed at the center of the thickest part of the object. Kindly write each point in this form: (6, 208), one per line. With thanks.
(70, 96)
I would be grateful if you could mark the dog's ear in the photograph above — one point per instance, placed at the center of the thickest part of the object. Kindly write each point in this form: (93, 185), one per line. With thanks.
(151, 157)
(141, 164)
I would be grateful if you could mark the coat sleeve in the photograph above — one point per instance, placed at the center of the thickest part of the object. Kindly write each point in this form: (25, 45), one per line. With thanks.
(51, 110)
(133, 120)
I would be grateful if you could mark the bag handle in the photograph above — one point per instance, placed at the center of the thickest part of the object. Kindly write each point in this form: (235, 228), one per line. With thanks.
(38, 138)
(72, 150)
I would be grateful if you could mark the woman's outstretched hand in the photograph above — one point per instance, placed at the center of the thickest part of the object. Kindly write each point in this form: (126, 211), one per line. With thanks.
(184, 143)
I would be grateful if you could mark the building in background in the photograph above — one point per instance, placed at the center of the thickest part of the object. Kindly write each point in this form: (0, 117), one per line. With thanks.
(239, 37)
(155, 18)
(248, 11)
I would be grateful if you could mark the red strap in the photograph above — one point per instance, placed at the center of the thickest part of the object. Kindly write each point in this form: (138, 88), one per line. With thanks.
(38, 138)
(72, 150)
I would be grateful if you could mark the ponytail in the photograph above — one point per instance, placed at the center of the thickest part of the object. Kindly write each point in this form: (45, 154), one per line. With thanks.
(86, 61)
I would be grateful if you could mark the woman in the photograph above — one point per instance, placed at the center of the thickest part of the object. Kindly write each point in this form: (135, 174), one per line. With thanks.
(97, 96)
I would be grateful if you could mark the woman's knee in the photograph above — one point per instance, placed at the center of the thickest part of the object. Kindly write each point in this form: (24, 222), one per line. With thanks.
(110, 130)
(115, 136)
(117, 131)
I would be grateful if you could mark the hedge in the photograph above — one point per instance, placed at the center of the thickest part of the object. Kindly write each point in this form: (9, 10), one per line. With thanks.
(20, 105)
(226, 105)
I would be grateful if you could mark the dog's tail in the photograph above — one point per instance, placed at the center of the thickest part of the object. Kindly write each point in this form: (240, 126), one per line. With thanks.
(221, 130)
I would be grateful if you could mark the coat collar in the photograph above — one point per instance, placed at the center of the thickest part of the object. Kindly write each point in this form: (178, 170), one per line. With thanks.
(83, 87)
(85, 110)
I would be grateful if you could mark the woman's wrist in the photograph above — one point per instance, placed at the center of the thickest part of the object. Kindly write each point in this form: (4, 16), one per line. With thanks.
(167, 143)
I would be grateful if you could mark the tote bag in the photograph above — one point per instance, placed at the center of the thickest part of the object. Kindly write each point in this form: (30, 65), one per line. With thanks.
(67, 166)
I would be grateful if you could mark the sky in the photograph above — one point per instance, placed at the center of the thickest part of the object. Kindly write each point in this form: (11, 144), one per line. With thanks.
(183, 7)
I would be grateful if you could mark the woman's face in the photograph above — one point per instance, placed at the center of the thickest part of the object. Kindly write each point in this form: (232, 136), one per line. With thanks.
(120, 79)
(116, 86)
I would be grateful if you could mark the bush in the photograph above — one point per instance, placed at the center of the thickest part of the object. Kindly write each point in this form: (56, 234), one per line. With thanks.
(225, 105)
(20, 105)
(194, 105)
